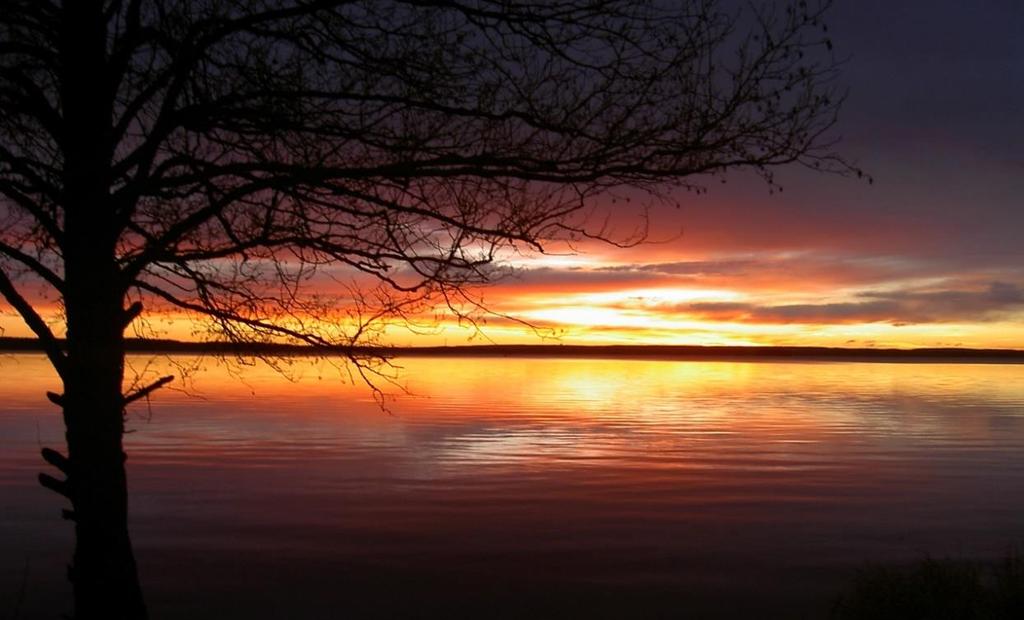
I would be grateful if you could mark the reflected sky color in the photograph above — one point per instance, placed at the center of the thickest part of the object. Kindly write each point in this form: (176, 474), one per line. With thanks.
(710, 487)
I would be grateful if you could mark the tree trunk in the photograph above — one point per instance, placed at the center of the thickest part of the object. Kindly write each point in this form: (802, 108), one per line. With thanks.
(103, 572)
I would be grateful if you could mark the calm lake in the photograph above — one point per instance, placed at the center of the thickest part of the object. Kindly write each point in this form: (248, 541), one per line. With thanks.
(531, 487)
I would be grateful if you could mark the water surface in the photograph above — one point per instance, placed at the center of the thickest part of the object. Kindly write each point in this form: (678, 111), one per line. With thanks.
(531, 487)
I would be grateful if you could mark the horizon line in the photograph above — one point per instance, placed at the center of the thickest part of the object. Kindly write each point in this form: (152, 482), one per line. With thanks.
(660, 351)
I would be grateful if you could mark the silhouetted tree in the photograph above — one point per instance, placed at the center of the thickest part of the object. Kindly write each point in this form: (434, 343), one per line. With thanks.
(215, 155)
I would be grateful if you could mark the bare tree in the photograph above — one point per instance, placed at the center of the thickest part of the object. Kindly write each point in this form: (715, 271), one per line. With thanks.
(219, 156)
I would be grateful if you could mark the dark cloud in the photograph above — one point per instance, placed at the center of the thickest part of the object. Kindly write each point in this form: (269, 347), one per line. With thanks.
(988, 304)
(783, 271)
(690, 268)
(851, 312)
(998, 301)
(576, 277)
(1007, 293)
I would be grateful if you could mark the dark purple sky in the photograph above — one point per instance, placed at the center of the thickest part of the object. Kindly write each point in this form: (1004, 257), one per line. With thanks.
(936, 113)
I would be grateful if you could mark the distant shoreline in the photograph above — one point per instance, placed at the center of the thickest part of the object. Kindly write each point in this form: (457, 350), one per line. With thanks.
(662, 352)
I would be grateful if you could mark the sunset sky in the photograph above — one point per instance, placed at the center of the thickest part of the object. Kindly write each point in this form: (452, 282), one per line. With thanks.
(930, 254)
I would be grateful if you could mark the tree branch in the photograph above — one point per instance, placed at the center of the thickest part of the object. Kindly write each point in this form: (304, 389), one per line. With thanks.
(149, 389)
(32, 263)
(35, 322)
(60, 487)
